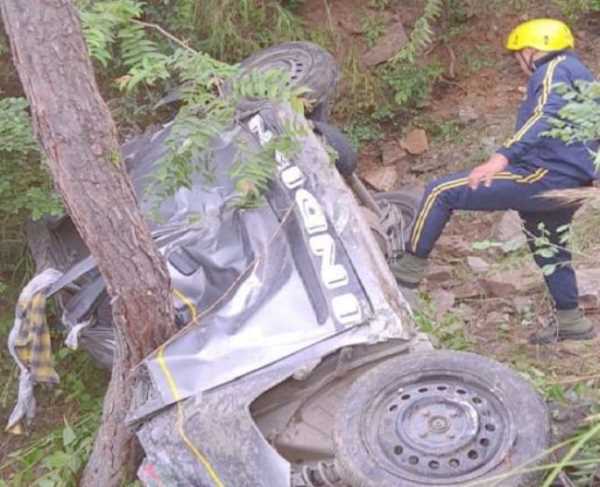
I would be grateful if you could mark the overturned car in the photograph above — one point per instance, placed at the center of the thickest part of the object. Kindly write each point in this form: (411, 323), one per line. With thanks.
(298, 362)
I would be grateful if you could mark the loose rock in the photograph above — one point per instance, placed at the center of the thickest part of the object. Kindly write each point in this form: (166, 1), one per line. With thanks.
(509, 232)
(443, 301)
(382, 178)
(386, 47)
(467, 290)
(477, 264)
(438, 274)
(392, 153)
(415, 142)
(588, 282)
(450, 245)
(497, 288)
(467, 114)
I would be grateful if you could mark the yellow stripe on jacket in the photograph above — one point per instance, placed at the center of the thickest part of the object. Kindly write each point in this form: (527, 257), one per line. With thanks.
(539, 110)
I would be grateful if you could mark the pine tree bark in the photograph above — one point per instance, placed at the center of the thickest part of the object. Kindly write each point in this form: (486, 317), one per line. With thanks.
(78, 135)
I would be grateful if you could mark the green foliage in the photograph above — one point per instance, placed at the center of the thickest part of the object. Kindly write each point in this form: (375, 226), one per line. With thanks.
(25, 188)
(411, 84)
(580, 119)
(448, 330)
(114, 34)
(373, 27)
(379, 4)
(363, 91)
(253, 173)
(232, 29)
(360, 132)
(205, 115)
(422, 33)
(589, 454)
(56, 458)
(479, 58)
(574, 9)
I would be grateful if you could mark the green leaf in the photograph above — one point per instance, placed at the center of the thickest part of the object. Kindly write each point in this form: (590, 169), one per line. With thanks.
(69, 435)
(546, 253)
(58, 459)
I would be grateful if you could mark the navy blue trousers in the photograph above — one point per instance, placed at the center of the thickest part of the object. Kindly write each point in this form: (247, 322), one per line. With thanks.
(517, 188)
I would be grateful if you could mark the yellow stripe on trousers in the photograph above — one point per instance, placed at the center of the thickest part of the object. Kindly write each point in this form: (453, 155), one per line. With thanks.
(429, 202)
(539, 110)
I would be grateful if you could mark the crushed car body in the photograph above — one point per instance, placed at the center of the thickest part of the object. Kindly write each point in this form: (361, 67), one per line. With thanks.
(296, 347)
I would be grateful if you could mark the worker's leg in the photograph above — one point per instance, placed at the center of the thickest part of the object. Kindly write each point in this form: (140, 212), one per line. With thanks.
(546, 234)
(554, 255)
(515, 186)
(509, 189)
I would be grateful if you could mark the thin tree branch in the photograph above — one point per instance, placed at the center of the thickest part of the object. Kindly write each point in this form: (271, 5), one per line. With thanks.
(165, 33)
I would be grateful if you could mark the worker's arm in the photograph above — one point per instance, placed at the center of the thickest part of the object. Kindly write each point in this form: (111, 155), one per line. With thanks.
(548, 105)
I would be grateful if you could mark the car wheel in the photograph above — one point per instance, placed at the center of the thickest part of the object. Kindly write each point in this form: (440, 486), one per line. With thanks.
(309, 66)
(347, 158)
(440, 419)
(398, 212)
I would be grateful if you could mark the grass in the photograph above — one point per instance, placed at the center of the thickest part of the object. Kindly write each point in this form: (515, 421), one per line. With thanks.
(67, 417)
(232, 29)
(566, 383)
(448, 331)
(362, 132)
(373, 27)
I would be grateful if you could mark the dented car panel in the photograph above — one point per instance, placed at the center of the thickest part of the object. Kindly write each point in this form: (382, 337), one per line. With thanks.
(293, 280)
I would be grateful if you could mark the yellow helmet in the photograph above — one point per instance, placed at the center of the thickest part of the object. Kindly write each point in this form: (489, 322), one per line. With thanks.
(541, 34)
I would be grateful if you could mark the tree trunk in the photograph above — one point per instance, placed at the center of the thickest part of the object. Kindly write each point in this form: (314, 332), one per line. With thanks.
(78, 136)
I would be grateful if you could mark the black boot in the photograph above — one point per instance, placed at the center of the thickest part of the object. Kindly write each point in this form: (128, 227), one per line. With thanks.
(409, 270)
(566, 325)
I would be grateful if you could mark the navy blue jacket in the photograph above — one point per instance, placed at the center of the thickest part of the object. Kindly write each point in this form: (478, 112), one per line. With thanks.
(543, 103)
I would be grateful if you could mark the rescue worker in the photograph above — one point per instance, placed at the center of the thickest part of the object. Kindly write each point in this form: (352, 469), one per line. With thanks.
(529, 163)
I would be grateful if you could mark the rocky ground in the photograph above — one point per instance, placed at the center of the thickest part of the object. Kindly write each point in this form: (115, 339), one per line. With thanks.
(483, 291)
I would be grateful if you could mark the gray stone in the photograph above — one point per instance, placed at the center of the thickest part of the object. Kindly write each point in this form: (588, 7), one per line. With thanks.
(495, 318)
(477, 264)
(443, 301)
(588, 282)
(498, 288)
(509, 232)
(392, 153)
(438, 274)
(415, 142)
(521, 304)
(386, 47)
(382, 178)
(467, 114)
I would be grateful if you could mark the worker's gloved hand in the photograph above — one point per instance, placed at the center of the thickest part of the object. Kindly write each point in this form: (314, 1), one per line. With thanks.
(485, 172)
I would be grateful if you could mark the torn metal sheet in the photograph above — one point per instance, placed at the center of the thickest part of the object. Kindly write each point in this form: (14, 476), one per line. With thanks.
(288, 273)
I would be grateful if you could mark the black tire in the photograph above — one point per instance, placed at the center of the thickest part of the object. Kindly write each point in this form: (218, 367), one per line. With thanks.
(309, 66)
(347, 157)
(440, 419)
(407, 203)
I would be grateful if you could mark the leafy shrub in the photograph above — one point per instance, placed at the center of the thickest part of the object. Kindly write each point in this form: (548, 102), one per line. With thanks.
(411, 84)
(229, 30)
(580, 118)
(25, 188)
(574, 9)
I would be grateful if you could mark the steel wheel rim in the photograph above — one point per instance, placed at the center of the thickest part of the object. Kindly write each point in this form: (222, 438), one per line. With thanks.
(297, 63)
(438, 428)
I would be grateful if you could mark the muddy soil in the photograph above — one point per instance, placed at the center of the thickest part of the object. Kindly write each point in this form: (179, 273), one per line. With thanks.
(471, 112)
